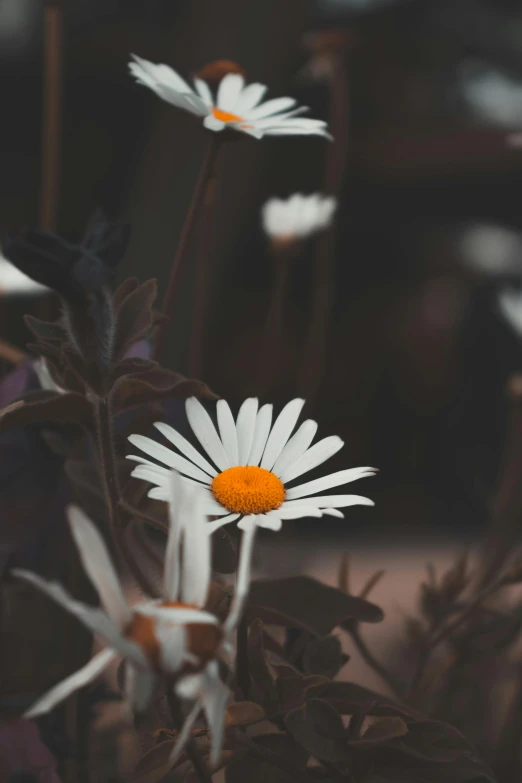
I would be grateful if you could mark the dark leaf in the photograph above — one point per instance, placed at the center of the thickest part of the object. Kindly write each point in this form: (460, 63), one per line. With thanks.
(319, 729)
(134, 319)
(323, 655)
(349, 698)
(45, 330)
(130, 391)
(381, 730)
(455, 580)
(243, 713)
(124, 289)
(246, 766)
(47, 408)
(303, 602)
(133, 365)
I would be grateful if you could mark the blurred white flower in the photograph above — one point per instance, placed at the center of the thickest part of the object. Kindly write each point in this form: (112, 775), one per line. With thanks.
(491, 249)
(510, 304)
(298, 216)
(492, 94)
(255, 463)
(173, 638)
(235, 106)
(13, 282)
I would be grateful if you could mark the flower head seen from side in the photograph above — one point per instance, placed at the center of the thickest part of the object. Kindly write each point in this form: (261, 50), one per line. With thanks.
(249, 465)
(510, 304)
(235, 105)
(173, 639)
(297, 217)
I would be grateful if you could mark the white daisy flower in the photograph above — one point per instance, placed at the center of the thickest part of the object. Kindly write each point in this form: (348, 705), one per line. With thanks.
(510, 303)
(250, 465)
(174, 638)
(297, 217)
(236, 105)
(15, 283)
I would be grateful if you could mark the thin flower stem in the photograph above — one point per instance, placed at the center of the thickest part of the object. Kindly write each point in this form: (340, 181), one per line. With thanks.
(192, 750)
(110, 479)
(273, 325)
(373, 663)
(313, 356)
(205, 180)
(242, 662)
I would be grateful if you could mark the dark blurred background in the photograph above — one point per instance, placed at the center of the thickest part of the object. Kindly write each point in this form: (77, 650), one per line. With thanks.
(429, 222)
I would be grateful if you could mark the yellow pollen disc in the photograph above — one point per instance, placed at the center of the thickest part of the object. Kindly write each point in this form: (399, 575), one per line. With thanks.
(248, 490)
(225, 116)
(203, 639)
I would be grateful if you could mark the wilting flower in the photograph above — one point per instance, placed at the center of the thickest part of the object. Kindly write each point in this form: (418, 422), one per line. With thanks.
(72, 270)
(297, 217)
(15, 283)
(174, 638)
(235, 106)
(253, 464)
(510, 303)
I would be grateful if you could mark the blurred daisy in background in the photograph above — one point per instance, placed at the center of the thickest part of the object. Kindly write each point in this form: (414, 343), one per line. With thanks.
(174, 639)
(510, 304)
(297, 217)
(253, 464)
(236, 105)
(13, 282)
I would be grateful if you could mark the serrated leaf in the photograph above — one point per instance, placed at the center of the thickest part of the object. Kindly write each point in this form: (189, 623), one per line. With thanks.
(46, 407)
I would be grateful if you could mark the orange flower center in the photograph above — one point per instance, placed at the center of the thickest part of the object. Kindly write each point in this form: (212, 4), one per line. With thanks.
(225, 116)
(203, 639)
(248, 490)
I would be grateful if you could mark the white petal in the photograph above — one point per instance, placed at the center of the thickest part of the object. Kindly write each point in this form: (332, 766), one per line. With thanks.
(96, 620)
(190, 687)
(245, 425)
(282, 131)
(261, 433)
(186, 448)
(296, 446)
(289, 512)
(243, 575)
(172, 567)
(247, 522)
(180, 616)
(196, 551)
(281, 431)
(204, 92)
(326, 482)
(99, 567)
(173, 645)
(213, 526)
(327, 501)
(227, 431)
(333, 512)
(274, 106)
(168, 457)
(269, 522)
(315, 456)
(205, 432)
(250, 97)
(139, 685)
(185, 732)
(150, 472)
(77, 680)
(158, 73)
(229, 90)
(212, 123)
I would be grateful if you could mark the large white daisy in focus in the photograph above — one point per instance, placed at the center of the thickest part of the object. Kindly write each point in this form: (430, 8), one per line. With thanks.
(173, 639)
(298, 216)
(249, 465)
(235, 105)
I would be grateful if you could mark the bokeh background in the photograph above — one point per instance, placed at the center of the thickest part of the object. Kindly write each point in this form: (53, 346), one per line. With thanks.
(429, 221)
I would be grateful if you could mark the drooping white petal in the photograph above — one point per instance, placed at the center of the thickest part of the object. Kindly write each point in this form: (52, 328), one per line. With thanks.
(212, 123)
(95, 620)
(296, 446)
(196, 550)
(185, 733)
(213, 526)
(186, 448)
(173, 645)
(187, 101)
(228, 92)
(227, 431)
(79, 679)
(139, 685)
(147, 72)
(330, 501)
(99, 567)
(245, 425)
(269, 522)
(319, 453)
(326, 482)
(205, 432)
(215, 697)
(243, 574)
(250, 97)
(204, 92)
(281, 431)
(261, 433)
(150, 472)
(168, 457)
(176, 615)
(268, 108)
(172, 567)
(281, 130)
